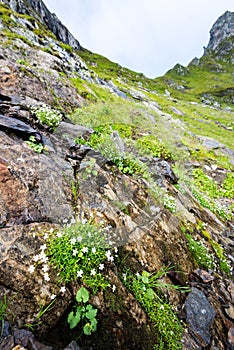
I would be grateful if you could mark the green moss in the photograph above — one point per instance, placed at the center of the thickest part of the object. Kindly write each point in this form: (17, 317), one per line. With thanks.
(12, 36)
(5, 14)
(66, 47)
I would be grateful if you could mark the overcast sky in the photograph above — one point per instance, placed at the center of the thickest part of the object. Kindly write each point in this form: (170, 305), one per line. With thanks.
(148, 36)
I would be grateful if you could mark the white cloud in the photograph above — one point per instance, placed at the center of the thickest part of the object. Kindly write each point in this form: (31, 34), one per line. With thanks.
(150, 36)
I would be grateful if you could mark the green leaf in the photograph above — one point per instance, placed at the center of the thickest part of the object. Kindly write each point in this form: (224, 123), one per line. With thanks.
(82, 295)
(150, 293)
(74, 319)
(94, 325)
(91, 313)
(145, 277)
(70, 316)
(87, 329)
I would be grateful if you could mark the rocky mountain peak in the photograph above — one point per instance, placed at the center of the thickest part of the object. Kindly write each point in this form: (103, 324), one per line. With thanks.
(222, 29)
(38, 10)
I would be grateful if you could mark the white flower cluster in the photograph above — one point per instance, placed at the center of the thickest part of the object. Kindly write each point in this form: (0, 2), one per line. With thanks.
(169, 203)
(47, 115)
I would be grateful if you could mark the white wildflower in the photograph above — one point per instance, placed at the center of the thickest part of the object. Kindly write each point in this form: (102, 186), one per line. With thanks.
(93, 272)
(72, 241)
(79, 239)
(43, 257)
(53, 296)
(124, 276)
(45, 268)
(113, 288)
(109, 256)
(63, 289)
(36, 258)
(94, 250)
(46, 236)
(101, 267)
(85, 250)
(31, 268)
(74, 252)
(59, 234)
(46, 277)
(79, 273)
(43, 247)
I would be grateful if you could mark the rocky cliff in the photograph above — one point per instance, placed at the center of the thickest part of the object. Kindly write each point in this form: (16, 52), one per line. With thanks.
(116, 198)
(222, 29)
(37, 9)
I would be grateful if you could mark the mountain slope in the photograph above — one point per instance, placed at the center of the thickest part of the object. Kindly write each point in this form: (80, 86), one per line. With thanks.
(117, 183)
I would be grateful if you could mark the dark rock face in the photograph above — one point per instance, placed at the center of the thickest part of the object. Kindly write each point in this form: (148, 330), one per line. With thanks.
(200, 315)
(16, 126)
(222, 29)
(37, 8)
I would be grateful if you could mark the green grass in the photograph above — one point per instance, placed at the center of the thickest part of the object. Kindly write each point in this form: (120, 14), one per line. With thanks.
(113, 111)
(210, 77)
(148, 291)
(109, 70)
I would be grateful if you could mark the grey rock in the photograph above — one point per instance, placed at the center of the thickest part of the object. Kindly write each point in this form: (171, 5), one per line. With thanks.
(160, 169)
(138, 95)
(222, 29)
(200, 315)
(114, 88)
(16, 126)
(70, 131)
(5, 330)
(195, 62)
(73, 346)
(177, 111)
(118, 141)
(210, 143)
(7, 343)
(26, 339)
